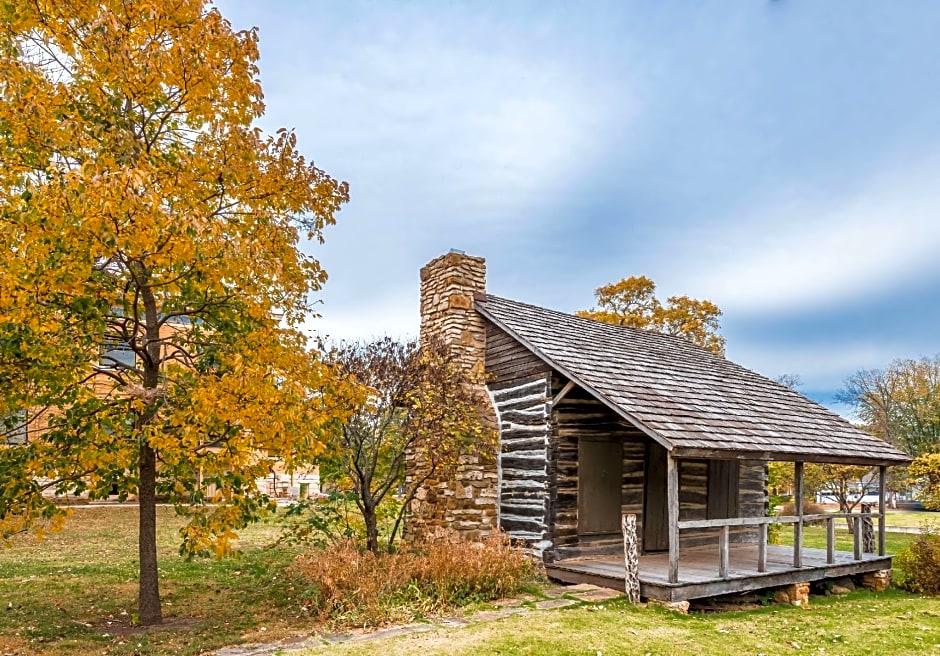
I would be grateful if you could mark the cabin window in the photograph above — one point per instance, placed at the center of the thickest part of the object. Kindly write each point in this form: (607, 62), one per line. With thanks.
(723, 484)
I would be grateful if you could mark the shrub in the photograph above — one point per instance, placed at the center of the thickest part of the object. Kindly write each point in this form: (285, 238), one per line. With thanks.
(351, 586)
(920, 562)
(774, 531)
(809, 508)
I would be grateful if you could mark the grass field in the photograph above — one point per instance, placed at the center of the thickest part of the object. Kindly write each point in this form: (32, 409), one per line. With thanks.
(861, 623)
(75, 593)
(815, 537)
(911, 517)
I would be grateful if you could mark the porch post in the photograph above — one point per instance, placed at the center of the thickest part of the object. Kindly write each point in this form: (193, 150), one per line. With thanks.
(672, 503)
(798, 526)
(882, 475)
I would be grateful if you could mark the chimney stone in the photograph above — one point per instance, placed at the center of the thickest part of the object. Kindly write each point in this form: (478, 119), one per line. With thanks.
(449, 285)
(466, 504)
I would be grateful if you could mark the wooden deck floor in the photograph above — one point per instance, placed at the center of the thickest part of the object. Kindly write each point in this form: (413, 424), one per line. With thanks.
(698, 570)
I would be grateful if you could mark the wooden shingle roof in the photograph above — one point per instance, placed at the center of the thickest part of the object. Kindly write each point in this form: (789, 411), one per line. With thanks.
(695, 403)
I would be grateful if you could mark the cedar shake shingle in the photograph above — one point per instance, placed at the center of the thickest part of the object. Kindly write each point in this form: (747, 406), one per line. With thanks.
(696, 403)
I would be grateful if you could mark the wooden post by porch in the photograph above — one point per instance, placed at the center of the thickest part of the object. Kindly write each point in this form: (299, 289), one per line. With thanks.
(882, 471)
(798, 503)
(857, 530)
(723, 545)
(672, 504)
(762, 548)
(631, 559)
(830, 540)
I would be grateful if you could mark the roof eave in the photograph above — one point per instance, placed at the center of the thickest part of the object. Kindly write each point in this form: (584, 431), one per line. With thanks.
(819, 458)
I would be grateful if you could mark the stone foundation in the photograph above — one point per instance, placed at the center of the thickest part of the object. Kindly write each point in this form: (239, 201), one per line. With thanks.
(796, 594)
(877, 581)
(675, 606)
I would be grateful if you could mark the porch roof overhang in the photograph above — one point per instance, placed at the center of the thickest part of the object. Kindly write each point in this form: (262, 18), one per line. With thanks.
(694, 403)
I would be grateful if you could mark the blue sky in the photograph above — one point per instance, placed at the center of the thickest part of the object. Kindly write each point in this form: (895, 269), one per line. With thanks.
(780, 158)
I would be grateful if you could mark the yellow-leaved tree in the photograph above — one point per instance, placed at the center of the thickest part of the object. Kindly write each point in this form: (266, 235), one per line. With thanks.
(152, 283)
(632, 302)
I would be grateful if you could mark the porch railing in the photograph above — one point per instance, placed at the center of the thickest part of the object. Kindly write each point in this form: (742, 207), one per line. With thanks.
(798, 522)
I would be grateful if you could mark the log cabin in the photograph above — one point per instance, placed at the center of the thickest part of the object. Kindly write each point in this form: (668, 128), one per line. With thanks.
(598, 421)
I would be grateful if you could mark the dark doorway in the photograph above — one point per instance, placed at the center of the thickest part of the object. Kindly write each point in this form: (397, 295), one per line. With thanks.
(723, 486)
(655, 512)
(600, 474)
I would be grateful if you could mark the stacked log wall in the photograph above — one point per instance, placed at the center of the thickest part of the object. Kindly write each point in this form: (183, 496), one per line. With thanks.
(523, 410)
(575, 417)
(520, 387)
(693, 490)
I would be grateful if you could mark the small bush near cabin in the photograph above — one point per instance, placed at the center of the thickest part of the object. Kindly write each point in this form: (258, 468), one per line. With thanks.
(353, 587)
(920, 562)
(809, 508)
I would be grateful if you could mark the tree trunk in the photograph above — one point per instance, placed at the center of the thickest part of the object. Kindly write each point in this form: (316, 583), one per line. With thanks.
(149, 590)
(372, 527)
(148, 608)
(849, 524)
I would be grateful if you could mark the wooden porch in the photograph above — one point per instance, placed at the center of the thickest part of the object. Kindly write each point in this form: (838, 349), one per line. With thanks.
(700, 566)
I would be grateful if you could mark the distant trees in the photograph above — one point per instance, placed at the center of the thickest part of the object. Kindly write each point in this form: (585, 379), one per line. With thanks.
(925, 472)
(900, 404)
(793, 381)
(632, 302)
(846, 484)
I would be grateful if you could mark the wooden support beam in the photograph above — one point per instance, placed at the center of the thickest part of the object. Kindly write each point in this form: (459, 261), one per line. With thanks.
(563, 393)
(723, 539)
(757, 521)
(831, 540)
(743, 521)
(798, 526)
(882, 480)
(858, 536)
(672, 505)
(762, 548)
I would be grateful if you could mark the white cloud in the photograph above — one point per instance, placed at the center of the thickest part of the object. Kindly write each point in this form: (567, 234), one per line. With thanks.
(424, 123)
(394, 314)
(820, 366)
(803, 252)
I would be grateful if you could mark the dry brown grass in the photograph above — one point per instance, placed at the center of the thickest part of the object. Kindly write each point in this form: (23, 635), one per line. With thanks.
(809, 508)
(351, 587)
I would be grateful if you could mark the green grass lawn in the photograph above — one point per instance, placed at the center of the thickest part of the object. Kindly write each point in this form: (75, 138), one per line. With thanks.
(858, 624)
(911, 517)
(76, 591)
(815, 537)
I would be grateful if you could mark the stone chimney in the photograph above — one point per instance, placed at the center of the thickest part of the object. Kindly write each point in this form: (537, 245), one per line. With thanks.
(448, 285)
(467, 503)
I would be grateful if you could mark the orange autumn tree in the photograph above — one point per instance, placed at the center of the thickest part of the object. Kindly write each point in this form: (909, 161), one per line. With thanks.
(632, 302)
(152, 282)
